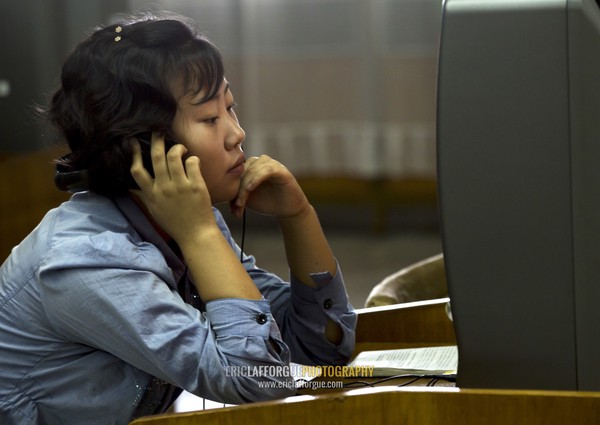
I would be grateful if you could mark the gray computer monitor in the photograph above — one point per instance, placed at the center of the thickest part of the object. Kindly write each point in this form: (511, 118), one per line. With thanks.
(519, 190)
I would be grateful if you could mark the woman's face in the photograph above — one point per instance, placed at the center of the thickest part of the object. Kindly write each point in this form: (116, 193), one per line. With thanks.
(211, 131)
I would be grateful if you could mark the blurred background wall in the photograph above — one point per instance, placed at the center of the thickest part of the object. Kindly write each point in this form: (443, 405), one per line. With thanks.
(35, 36)
(328, 86)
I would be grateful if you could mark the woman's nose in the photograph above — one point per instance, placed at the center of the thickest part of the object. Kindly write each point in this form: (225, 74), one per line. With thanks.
(236, 134)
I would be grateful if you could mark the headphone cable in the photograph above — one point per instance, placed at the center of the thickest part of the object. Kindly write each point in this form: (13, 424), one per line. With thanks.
(243, 236)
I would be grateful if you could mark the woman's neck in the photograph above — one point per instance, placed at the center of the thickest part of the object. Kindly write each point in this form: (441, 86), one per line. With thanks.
(146, 212)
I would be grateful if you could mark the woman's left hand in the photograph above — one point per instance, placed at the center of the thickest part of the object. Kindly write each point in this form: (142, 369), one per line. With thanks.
(268, 187)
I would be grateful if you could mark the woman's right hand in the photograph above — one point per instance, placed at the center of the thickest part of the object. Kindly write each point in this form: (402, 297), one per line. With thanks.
(177, 197)
(178, 200)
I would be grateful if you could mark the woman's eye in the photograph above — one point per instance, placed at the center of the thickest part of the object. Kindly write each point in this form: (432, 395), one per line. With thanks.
(213, 120)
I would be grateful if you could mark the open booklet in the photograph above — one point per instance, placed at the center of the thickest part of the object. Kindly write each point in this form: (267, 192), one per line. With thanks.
(427, 360)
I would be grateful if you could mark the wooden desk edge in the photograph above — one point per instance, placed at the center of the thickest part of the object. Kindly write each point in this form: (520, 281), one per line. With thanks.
(415, 405)
(405, 306)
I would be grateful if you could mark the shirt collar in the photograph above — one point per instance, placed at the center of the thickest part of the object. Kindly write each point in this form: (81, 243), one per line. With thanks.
(142, 225)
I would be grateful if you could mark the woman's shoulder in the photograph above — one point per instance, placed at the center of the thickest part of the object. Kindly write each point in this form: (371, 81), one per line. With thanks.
(92, 225)
(91, 212)
(86, 231)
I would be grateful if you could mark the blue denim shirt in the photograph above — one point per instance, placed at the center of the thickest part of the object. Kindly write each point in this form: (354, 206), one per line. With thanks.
(91, 316)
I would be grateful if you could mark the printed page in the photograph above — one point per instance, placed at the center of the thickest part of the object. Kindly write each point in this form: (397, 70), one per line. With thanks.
(410, 360)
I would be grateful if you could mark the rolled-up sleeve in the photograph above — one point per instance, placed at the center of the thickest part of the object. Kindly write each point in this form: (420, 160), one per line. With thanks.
(252, 352)
(310, 309)
(303, 312)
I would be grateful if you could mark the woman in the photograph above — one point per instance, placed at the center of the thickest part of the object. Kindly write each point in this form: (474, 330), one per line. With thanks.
(133, 289)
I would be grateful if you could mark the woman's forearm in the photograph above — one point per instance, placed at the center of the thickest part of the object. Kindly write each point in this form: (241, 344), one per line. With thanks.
(306, 247)
(214, 267)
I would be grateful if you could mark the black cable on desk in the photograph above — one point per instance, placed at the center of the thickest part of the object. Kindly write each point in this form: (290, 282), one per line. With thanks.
(413, 378)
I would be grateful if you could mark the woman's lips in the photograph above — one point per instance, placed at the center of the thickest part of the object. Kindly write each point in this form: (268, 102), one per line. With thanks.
(238, 168)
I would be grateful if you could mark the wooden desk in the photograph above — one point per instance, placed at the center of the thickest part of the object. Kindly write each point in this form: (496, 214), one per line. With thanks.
(410, 406)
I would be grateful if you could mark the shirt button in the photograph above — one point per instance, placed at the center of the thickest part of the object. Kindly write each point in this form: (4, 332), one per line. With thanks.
(328, 304)
(261, 319)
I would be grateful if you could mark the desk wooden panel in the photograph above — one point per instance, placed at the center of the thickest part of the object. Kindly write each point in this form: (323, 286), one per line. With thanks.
(410, 406)
(418, 324)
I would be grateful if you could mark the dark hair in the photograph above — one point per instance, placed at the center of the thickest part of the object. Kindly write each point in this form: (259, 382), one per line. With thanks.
(118, 83)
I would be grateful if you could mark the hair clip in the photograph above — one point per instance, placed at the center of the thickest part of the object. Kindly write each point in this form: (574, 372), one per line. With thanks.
(118, 30)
